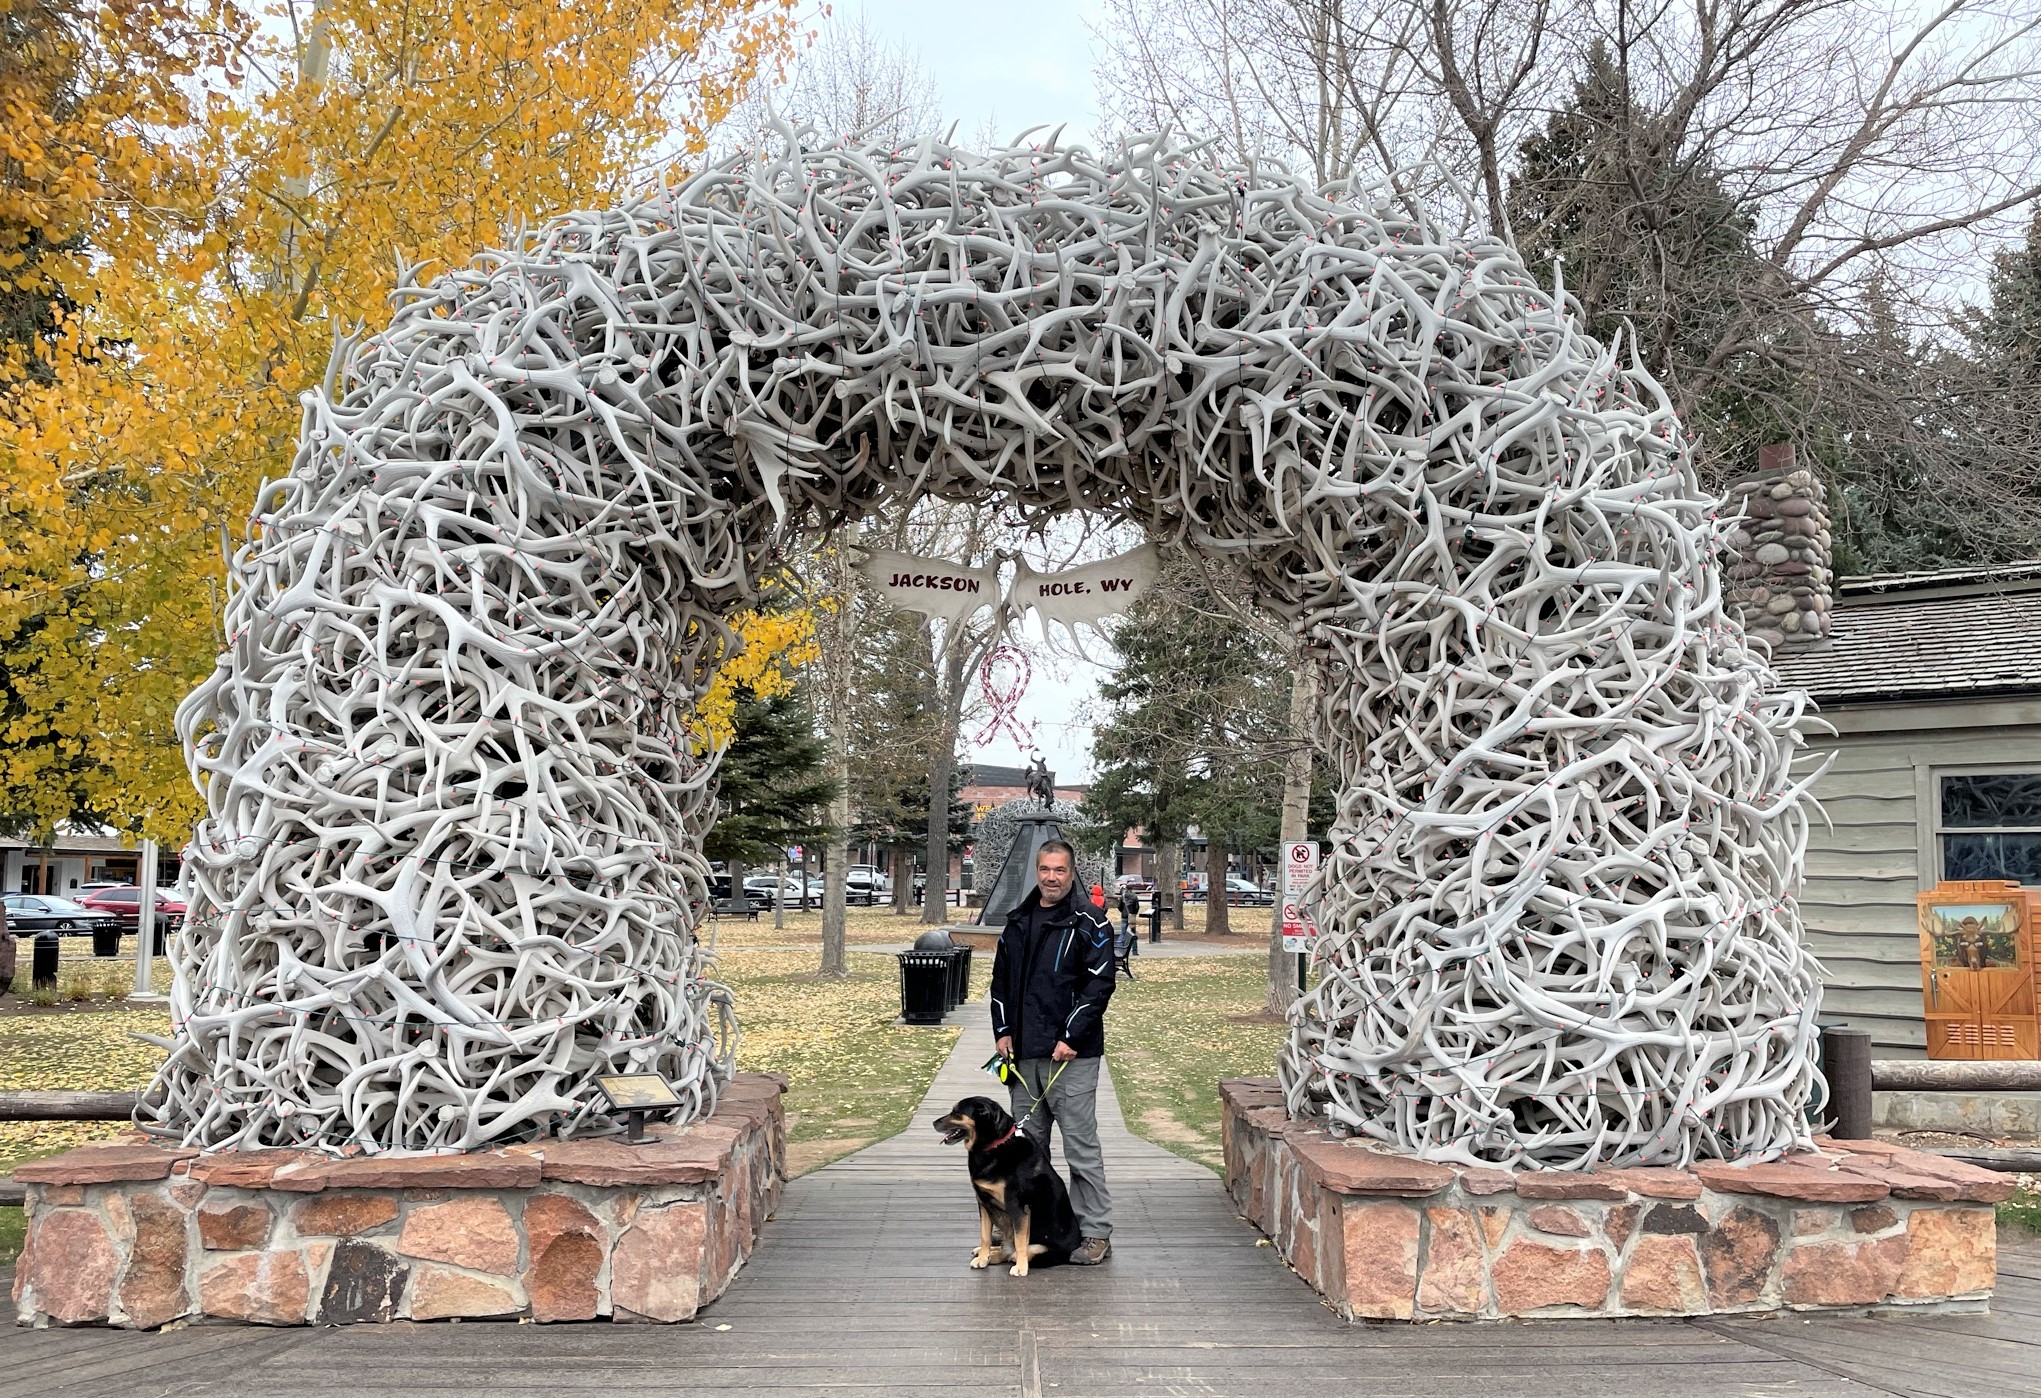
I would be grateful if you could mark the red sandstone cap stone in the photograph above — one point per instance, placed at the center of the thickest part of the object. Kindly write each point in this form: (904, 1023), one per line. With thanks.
(1483, 1179)
(693, 1158)
(1349, 1168)
(1654, 1182)
(1806, 1175)
(241, 1169)
(1568, 1184)
(476, 1170)
(104, 1164)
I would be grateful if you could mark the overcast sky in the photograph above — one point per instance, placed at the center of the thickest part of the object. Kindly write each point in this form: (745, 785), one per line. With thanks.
(1013, 65)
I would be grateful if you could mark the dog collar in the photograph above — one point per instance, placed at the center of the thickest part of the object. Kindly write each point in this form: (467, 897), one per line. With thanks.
(1003, 1139)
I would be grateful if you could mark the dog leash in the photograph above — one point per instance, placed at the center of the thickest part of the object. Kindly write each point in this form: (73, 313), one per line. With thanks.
(1023, 1084)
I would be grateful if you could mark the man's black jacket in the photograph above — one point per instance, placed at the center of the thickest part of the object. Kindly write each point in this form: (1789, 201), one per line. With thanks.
(1055, 984)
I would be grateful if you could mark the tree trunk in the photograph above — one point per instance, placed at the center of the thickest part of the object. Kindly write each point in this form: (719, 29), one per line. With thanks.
(903, 878)
(838, 636)
(1295, 826)
(1168, 881)
(779, 896)
(1218, 908)
(942, 764)
(736, 868)
(835, 865)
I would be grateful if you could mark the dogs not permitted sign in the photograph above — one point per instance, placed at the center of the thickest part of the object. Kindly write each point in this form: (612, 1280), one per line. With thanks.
(1300, 867)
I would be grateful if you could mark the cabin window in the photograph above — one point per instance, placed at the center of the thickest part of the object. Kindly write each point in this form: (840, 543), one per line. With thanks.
(1989, 825)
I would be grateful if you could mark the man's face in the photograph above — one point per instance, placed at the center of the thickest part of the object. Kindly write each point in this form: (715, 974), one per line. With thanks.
(1053, 875)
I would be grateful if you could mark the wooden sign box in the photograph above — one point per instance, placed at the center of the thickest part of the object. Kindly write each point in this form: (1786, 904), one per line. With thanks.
(1977, 970)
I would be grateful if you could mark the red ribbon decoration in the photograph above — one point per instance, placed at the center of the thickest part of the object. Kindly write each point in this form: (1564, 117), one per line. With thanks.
(1005, 703)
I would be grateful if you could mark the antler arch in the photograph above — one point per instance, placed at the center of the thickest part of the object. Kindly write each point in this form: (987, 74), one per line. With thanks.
(451, 868)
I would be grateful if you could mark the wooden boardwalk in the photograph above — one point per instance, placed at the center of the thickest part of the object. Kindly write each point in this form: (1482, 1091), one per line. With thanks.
(861, 1287)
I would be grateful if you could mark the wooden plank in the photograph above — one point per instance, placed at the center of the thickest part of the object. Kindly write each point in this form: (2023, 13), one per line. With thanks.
(1886, 780)
(1888, 1075)
(1895, 922)
(67, 1106)
(1892, 808)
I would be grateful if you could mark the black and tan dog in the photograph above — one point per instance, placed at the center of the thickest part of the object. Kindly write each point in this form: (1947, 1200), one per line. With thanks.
(1014, 1179)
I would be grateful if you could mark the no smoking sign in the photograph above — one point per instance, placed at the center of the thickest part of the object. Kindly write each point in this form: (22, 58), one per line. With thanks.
(1300, 867)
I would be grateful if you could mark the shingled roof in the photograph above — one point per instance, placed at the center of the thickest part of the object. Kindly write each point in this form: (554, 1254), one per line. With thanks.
(1904, 636)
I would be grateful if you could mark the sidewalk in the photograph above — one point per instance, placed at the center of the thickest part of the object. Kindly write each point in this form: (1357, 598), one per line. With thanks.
(861, 1286)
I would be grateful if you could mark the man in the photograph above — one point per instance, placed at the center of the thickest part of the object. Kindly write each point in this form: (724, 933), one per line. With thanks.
(1051, 979)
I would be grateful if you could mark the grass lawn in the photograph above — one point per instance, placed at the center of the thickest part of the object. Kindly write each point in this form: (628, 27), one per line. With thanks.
(857, 1075)
(1174, 1031)
(2023, 1210)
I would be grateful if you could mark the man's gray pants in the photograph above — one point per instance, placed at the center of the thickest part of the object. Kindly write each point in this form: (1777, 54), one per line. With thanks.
(1072, 1106)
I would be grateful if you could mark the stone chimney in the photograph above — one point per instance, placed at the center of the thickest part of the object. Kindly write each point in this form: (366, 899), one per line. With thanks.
(1778, 555)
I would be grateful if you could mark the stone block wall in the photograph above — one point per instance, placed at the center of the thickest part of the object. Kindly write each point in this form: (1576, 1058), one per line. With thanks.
(137, 1234)
(1779, 556)
(1856, 1225)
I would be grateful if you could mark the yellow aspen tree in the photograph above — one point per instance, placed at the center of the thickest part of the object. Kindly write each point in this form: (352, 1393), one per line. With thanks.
(314, 154)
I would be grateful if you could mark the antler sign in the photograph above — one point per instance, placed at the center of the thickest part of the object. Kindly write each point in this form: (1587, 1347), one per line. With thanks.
(1073, 596)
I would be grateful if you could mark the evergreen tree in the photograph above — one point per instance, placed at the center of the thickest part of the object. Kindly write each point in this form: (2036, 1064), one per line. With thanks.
(2005, 335)
(1930, 459)
(1659, 252)
(771, 785)
(1195, 734)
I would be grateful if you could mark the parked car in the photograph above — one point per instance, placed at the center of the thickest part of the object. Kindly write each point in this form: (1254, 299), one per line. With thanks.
(1248, 893)
(37, 912)
(1239, 892)
(721, 896)
(124, 901)
(863, 883)
(765, 888)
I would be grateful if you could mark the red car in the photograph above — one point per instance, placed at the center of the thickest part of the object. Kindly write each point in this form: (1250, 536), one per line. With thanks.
(125, 903)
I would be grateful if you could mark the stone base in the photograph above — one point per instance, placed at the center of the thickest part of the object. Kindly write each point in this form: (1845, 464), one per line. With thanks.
(137, 1234)
(980, 939)
(1853, 1226)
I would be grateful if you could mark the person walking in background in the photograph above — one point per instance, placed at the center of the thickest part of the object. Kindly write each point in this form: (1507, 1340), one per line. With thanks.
(1051, 979)
(1098, 895)
(1130, 909)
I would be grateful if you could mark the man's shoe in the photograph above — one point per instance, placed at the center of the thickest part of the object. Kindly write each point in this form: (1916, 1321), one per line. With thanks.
(1091, 1252)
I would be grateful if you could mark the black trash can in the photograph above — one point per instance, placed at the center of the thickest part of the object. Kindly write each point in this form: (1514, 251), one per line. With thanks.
(939, 940)
(43, 973)
(106, 940)
(960, 975)
(924, 986)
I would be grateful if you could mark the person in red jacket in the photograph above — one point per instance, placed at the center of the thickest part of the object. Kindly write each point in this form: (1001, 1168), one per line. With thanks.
(1098, 894)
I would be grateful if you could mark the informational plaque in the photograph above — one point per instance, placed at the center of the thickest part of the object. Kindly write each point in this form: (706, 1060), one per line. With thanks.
(638, 1092)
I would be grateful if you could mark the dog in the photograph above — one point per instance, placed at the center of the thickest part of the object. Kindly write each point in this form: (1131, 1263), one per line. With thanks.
(1015, 1184)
